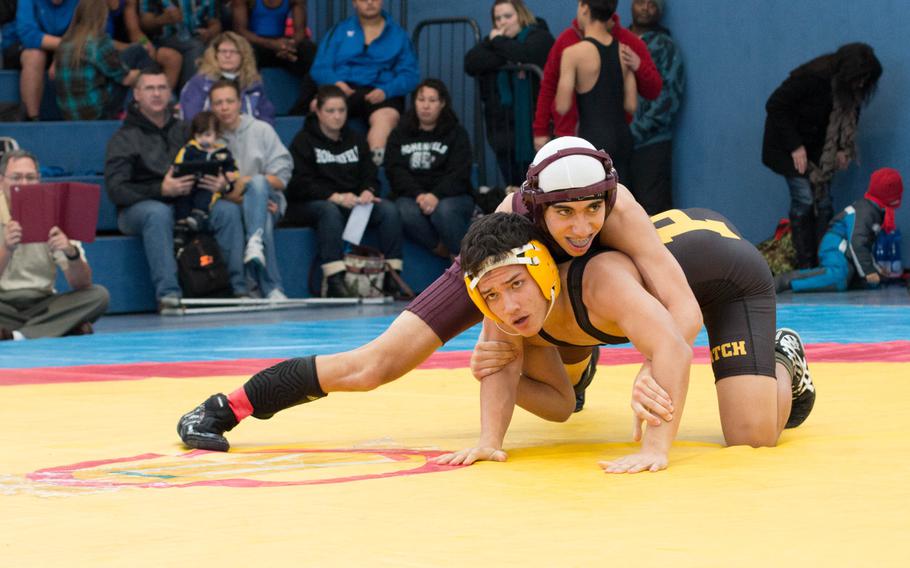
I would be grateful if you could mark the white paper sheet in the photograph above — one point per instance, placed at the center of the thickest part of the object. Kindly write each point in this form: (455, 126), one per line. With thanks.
(357, 223)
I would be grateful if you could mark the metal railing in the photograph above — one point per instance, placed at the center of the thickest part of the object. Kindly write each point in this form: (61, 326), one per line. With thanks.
(441, 44)
(330, 12)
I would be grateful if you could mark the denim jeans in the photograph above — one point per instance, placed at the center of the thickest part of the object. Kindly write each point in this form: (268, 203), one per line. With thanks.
(256, 217)
(153, 221)
(803, 199)
(329, 220)
(446, 225)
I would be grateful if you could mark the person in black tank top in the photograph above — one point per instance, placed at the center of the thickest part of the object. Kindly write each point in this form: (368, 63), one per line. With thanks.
(604, 300)
(604, 89)
(602, 119)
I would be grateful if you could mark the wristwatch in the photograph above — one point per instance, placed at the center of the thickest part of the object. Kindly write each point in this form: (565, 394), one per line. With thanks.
(75, 256)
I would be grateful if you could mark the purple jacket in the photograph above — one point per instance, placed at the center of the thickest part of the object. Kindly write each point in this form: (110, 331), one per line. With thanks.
(194, 98)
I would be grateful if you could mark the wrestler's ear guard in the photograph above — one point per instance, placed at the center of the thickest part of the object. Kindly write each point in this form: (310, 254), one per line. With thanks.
(540, 265)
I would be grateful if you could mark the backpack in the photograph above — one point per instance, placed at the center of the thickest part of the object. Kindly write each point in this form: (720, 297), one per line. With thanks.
(202, 270)
(778, 250)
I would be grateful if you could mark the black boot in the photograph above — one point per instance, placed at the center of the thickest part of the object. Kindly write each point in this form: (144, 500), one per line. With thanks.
(803, 232)
(336, 287)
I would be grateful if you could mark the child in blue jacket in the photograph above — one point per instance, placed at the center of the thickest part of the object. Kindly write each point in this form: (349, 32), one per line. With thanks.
(846, 249)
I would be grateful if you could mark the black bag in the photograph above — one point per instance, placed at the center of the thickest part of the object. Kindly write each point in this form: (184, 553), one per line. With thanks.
(7, 11)
(201, 269)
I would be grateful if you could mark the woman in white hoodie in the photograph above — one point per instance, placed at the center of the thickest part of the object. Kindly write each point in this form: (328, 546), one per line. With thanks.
(265, 167)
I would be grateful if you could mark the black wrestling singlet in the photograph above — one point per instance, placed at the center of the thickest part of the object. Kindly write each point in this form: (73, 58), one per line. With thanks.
(601, 117)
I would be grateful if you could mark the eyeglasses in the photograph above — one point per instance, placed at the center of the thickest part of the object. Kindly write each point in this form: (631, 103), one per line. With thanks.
(19, 178)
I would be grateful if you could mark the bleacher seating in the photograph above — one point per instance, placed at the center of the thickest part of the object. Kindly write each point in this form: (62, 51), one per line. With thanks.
(281, 86)
(76, 150)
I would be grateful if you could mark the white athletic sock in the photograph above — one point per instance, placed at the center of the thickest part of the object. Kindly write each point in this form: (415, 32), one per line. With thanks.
(17, 335)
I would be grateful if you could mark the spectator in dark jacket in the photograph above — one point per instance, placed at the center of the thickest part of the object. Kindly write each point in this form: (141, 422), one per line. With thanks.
(138, 176)
(333, 172)
(428, 163)
(652, 127)
(809, 134)
(508, 97)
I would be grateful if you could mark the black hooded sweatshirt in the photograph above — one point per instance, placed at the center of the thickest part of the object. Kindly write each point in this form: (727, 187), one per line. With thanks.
(436, 161)
(323, 166)
(139, 155)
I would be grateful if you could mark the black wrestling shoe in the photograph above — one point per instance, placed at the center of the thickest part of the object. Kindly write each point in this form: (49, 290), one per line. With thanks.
(586, 379)
(788, 343)
(202, 427)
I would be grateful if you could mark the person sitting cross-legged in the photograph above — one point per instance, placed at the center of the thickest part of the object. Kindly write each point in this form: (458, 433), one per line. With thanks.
(29, 305)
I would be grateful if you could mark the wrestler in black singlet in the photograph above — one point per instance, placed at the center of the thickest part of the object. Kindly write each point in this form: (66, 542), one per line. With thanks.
(730, 280)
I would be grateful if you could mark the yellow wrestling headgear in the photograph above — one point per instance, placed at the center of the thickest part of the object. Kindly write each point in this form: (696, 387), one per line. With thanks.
(540, 265)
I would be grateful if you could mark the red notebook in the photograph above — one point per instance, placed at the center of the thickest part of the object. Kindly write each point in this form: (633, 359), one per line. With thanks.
(69, 205)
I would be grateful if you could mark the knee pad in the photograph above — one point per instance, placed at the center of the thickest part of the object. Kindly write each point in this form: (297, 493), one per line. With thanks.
(284, 385)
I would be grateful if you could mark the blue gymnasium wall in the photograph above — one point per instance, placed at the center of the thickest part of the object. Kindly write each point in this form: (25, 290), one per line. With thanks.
(736, 53)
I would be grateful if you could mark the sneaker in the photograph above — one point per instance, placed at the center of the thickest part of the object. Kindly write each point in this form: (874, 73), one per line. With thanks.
(169, 302)
(254, 250)
(586, 379)
(788, 343)
(276, 295)
(202, 427)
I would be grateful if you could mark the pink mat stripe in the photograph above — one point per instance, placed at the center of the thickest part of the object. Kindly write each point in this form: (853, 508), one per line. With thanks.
(885, 352)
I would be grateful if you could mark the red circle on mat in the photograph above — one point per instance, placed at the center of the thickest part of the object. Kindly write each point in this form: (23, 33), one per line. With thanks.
(241, 468)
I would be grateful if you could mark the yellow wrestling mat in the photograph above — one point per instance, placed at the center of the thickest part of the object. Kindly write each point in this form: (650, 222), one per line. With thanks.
(93, 474)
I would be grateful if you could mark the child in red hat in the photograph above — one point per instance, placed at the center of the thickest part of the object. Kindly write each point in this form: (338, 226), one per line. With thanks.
(846, 249)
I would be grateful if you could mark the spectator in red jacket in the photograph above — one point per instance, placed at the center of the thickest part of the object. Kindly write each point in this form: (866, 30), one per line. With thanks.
(634, 53)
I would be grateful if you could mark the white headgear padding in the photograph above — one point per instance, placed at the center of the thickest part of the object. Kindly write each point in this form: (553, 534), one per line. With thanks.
(569, 171)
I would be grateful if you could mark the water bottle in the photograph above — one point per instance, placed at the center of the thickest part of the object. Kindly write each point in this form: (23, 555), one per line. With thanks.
(887, 253)
(894, 253)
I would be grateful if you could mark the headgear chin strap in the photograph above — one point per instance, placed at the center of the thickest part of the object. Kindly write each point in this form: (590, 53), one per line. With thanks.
(540, 264)
(536, 199)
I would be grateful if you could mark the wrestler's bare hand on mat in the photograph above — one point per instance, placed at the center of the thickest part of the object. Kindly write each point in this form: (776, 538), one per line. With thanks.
(471, 455)
(635, 463)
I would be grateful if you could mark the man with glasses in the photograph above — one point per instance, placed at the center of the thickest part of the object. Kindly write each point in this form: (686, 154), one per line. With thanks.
(29, 305)
(138, 177)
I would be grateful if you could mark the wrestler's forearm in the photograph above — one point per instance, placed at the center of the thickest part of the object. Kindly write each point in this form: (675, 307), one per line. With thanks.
(670, 368)
(498, 394)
